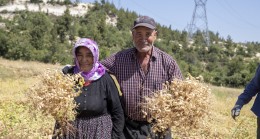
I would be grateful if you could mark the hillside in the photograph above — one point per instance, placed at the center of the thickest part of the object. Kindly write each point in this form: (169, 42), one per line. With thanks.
(9, 10)
(32, 34)
(17, 120)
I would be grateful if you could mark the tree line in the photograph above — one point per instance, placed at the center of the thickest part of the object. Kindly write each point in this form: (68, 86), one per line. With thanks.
(37, 36)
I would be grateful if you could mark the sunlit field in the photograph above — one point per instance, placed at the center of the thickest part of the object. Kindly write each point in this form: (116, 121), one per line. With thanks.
(18, 120)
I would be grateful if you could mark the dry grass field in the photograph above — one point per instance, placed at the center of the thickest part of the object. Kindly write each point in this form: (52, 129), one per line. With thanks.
(17, 120)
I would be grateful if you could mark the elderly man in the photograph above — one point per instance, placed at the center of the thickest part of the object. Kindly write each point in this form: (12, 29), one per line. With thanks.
(141, 70)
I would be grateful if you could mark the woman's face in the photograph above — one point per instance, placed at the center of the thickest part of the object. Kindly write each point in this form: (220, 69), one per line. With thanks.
(143, 38)
(85, 58)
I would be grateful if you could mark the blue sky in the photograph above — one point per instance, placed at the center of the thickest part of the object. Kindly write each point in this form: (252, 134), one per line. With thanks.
(238, 18)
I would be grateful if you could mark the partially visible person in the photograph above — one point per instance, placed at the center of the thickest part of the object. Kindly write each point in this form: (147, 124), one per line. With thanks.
(100, 114)
(251, 90)
(141, 70)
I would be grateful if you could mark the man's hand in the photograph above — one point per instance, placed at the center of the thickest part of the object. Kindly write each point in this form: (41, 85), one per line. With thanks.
(66, 68)
(235, 111)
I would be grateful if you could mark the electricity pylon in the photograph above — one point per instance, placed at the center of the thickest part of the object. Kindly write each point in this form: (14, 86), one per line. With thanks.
(199, 21)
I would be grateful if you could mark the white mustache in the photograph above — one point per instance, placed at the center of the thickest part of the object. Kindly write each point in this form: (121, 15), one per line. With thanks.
(144, 42)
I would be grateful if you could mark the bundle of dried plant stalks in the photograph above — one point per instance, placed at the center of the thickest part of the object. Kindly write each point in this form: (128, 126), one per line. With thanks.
(180, 105)
(54, 96)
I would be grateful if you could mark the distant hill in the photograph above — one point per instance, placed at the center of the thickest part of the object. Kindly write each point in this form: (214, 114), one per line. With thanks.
(45, 32)
(8, 11)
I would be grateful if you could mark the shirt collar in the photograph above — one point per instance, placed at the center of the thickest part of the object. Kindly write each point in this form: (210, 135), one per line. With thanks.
(155, 54)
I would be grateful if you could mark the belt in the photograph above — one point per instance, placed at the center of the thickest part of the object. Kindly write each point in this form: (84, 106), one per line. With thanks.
(135, 123)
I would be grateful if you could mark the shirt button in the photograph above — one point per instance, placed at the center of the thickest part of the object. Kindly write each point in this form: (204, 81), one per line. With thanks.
(85, 101)
(85, 95)
(85, 89)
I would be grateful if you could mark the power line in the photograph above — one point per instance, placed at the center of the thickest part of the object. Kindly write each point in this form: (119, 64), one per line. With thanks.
(152, 12)
(227, 6)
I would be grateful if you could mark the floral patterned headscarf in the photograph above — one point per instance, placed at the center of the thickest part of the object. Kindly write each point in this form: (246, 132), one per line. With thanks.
(98, 69)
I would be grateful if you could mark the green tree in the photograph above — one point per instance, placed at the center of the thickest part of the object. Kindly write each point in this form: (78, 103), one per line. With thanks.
(4, 2)
(63, 25)
(67, 2)
(3, 43)
(59, 53)
(19, 46)
(35, 1)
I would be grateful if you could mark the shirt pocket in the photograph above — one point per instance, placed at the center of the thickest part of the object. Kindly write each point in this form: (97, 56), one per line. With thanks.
(158, 85)
(159, 80)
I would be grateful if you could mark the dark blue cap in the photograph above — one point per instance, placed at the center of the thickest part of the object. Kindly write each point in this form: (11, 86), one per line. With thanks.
(145, 21)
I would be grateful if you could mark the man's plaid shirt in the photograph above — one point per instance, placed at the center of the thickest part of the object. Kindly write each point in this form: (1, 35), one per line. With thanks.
(135, 84)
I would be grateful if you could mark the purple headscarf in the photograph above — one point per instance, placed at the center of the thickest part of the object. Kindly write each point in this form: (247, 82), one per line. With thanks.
(98, 69)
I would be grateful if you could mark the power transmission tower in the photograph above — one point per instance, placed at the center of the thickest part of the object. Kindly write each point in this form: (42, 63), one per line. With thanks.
(199, 21)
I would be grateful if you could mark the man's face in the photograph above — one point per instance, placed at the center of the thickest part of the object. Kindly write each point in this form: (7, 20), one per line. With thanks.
(143, 38)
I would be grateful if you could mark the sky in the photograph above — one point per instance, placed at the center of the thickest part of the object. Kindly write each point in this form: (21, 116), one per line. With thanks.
(238, 18)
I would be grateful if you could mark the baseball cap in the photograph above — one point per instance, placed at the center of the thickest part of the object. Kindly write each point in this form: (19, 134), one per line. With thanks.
(144, 21)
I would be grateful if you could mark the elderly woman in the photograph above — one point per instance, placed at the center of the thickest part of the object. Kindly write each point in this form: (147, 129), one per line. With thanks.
(100, 114)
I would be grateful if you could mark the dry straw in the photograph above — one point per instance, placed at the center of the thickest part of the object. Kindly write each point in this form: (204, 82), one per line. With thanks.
(180, 105)
(54, 96)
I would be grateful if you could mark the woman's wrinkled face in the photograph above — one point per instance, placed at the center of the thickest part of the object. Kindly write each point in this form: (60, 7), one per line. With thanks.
(143, 38)
(85, 58)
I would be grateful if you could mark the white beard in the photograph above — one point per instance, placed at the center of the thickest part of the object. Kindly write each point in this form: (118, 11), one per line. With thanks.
(144, 49)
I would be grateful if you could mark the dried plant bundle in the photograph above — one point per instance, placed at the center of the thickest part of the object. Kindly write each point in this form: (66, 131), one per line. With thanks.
(180, 105)
(54, 96)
